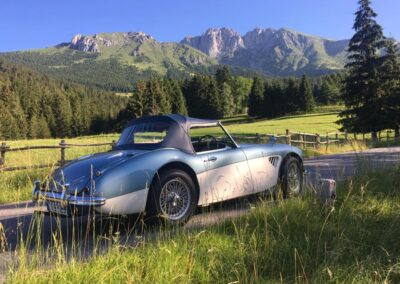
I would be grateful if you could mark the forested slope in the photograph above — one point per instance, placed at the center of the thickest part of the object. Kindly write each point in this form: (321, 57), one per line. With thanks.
(33, 105)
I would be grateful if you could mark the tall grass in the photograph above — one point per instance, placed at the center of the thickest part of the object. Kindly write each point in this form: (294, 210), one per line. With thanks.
(298, 240)
(350, 146)
(17, 186)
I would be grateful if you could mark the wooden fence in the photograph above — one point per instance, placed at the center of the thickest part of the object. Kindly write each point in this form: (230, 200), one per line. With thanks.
(300, 139)
(309, 140)
(62, 146)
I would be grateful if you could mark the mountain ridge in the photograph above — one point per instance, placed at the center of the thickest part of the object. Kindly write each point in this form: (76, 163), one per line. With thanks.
(130, 56)
(272, 51)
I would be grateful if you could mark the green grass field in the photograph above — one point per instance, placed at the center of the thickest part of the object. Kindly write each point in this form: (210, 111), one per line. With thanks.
(309, 123)
(16, 186)
(297, 241)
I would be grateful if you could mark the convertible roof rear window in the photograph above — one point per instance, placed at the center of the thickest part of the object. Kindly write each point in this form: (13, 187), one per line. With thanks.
(144, 133)
(160, 131)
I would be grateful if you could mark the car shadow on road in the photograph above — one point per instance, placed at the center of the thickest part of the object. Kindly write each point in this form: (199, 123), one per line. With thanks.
(80, 237)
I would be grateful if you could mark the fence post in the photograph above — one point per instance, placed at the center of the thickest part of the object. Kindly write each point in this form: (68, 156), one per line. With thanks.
(288, 137)
(113, 143)
(258, 138)
(345, 136)
(327, 141)
(337, 137)
(301, 145)
(3, 154)
(363, 137)
(318, 140)
(62, 150)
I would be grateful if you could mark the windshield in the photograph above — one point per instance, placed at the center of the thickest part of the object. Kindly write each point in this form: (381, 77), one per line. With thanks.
(144, 135)
(209, 138)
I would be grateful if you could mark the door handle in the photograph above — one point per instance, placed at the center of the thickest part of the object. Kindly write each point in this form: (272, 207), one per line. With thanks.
(212, 159)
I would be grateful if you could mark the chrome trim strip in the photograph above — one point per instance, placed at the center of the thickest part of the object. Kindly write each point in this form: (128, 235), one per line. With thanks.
(229, 136)
(67, 199)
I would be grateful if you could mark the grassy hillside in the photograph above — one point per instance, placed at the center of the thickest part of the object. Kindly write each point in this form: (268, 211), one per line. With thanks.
(116, 67)
(297, 241)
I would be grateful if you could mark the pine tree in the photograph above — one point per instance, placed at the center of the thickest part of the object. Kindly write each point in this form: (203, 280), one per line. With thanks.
(12, 105)
(240, 87)
(162, 94)
(8, 125)
(213, 103)
(135, 107)
(150, 102)
(178, 103)
(33, 127)
(390, 77)
(268, 100)
(63, 116)
(202, 97)
(362, 93)
(292, 97)
(223, 75)
(256, 98)
(306, 95)
(228, 105)
(43, 128)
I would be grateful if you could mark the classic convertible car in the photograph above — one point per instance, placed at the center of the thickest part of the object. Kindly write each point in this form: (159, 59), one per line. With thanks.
(166, 166)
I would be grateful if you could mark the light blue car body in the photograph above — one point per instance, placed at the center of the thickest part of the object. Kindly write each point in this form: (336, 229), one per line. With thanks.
(117, 182)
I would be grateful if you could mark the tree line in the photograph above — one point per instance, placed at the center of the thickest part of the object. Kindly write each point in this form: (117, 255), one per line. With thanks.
(223, 94)
(371, 90)
(35, 106)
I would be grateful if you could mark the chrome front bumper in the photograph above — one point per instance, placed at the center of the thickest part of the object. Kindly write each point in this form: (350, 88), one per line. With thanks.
(64, 198)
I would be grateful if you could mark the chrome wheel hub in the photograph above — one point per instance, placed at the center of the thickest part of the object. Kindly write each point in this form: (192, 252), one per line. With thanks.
(175, 199)
(294, 178)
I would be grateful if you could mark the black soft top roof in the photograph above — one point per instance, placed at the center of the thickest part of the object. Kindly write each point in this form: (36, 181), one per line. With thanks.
(184, 121)
(178, 131)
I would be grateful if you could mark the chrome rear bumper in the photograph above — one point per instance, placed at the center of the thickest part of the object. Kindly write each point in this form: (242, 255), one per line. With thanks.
(64, 198)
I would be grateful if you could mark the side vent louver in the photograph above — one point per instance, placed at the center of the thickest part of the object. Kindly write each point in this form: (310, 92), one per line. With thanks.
(274, 160)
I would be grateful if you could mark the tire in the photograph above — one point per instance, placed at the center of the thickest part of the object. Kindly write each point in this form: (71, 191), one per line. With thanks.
(172, 198)
(291, 177)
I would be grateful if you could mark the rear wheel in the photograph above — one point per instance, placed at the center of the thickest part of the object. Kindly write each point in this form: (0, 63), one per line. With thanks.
(172, 197)
(291, 177)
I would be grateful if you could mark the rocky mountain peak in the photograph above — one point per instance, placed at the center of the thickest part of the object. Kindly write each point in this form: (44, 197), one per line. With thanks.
(94, 43)
(216, 42)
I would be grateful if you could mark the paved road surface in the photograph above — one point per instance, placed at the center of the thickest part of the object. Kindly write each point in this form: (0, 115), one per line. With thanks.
(18, 220)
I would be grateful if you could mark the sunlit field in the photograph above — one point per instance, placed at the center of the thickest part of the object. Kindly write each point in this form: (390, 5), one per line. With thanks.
(310, 123)
(17, 185)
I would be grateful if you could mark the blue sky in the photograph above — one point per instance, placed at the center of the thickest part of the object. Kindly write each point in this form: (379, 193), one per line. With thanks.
(29, 24)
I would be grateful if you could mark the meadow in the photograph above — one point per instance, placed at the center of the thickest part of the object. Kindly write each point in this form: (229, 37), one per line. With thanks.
(16, 186)
(297, 241)
(293, 241)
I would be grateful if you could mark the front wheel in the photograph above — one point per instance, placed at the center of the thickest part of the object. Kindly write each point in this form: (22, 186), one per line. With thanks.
(172, 197)
(291, 177)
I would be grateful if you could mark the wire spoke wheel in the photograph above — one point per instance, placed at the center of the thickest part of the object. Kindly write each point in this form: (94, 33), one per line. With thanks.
(294, 178)
(175, 199)
(291, 177)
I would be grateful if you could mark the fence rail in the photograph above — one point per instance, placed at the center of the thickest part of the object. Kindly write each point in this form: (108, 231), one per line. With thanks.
(300, 139)
(62, 146)
(307, 140)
